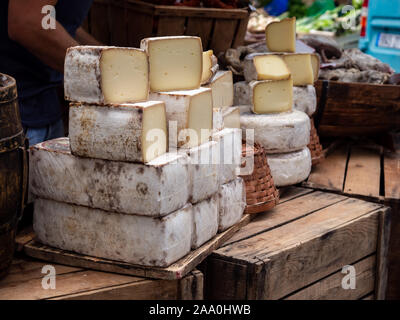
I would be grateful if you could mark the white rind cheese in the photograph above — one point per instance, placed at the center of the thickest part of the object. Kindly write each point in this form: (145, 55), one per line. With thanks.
(176, 63)
(242, 93)
(290, 168)
(203, 171)
(222, 89)
(154, 189)
(279, 133)
(232, 202)
(210, 66)
(305, 99)
(106, 75)
(218, 119)
(205, 221)
(265, 66)
(280, 36)
(127, 132)
(192, 111)
(229, 154)
(133, 239)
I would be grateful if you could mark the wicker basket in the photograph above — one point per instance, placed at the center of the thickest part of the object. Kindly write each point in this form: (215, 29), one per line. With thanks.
(261, 194)
(315, 146)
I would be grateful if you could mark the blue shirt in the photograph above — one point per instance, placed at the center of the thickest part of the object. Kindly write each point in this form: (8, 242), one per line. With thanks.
(36, 82)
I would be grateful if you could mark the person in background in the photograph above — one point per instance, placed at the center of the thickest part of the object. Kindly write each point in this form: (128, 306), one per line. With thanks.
(34, 54)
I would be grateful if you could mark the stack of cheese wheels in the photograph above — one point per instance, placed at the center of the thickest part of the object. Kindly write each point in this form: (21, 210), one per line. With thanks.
(139, 179)
(273, 104)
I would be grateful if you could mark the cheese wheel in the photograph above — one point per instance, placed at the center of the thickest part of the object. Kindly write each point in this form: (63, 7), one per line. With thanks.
(232, 202)
(153, 189)
(278, 133)
(305, 99)
(290, 168)
(128, 238)
(205, 221)
(242, 93)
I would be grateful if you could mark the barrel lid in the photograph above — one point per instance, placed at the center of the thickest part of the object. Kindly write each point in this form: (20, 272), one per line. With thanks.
(8, 88)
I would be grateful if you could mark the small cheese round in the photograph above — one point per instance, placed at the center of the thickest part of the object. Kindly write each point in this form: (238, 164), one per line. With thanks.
(280, 132)
(305, 99)
(290, 168)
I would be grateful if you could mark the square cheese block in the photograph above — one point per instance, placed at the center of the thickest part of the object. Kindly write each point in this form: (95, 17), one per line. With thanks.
(229, 153)
(203, 170)
(153, 189)
(265, 67)
(222, 89)
(281, 35)
(271, 96)
(210, 66)
(205, 221)
(128, 238)
(127, 132)
(176, 63)
(106, 75)
(300, 67)
(316, 65)
(189, 116)
(232, 117)
(232, 202)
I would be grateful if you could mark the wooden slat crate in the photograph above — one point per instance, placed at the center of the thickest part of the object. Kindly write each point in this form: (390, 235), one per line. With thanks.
(346, 109)
(369, 173)
(24, 282)
(126, 22)
(298, 250)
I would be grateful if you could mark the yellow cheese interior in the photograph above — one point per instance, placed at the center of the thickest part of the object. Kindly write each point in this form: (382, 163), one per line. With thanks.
(281, 35)
(232, 118)
(175, 64)
(315, 63)
(154, 132)
(273, 96)
(270, 67)
(222, 89)
(124, 75)
(301, 68)
(207, 65)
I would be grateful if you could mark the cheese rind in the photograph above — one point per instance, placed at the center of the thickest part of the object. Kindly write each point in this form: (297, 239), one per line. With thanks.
(205, 221)
(232, 202)
(106, 75)
(265, 67)
(126, 132)
(290, 168)
(281, 35)
(176, 63)
(127, 238)
(305, 99)
(242, 93)
(222, 89)
(271, 96)
(210, 66)
(300, 67)
(280, 132)
(193, 113)
(154, 189)
(229, 153)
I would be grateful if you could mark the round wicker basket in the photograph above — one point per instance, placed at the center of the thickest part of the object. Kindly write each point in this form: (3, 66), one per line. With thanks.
(315, 146)
(261, 194)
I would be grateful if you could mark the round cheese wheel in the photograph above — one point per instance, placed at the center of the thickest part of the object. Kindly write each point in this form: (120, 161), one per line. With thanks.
(290, 168)
(279, 132)
(305, 99)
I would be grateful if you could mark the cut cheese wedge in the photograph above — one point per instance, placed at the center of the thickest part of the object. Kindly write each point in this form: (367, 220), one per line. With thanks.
(265, 67)
(132, 239)
(126, 132)
(154, 189)
(106, 75)
(316, 65)
(281, 35)
(189, 116)
(222, 89)
(231, 117)
(176, 63)
(272, 96)
(210, 66)
(300, 67)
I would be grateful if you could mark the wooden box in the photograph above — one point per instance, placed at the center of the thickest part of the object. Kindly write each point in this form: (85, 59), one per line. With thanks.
(24, 282)
(127, 22)
(346, 109)
(298, 250)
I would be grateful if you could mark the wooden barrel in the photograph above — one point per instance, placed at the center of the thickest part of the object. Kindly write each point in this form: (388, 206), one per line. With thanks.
(13, 169)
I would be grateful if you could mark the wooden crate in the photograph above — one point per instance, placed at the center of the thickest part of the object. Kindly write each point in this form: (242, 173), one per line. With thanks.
(24, 282)
(127, 22)
(369, 173)
(346, 109)
(298, 250)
